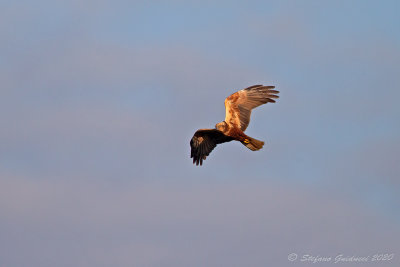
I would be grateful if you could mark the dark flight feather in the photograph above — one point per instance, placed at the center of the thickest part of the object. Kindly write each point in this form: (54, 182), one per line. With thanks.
(204, 141)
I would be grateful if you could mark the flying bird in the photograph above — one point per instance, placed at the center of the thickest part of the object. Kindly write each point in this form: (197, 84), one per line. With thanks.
(238, 108)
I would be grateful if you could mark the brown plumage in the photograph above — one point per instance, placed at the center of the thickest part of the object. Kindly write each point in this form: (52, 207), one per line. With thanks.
(238, 108)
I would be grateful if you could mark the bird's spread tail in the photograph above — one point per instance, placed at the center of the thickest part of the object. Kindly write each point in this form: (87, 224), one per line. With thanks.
(253, 144)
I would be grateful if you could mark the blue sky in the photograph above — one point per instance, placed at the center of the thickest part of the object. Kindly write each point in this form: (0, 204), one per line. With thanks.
(99, 100)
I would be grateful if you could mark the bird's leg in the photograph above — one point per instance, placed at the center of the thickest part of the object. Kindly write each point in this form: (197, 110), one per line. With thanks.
(238, 135)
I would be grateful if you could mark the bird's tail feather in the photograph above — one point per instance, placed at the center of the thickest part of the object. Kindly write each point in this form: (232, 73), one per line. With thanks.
(253, 144)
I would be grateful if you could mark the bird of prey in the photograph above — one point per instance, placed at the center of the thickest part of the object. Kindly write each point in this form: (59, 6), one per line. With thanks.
(238, 108)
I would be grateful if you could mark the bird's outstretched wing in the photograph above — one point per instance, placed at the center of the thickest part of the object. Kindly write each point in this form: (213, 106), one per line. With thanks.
(204, 141)
(238, 106)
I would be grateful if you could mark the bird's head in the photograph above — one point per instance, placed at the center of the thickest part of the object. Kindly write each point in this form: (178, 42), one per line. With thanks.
(222, 126)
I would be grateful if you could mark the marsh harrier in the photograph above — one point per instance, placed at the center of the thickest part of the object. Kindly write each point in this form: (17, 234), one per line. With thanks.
(238, 108)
